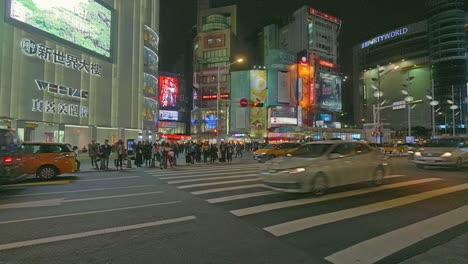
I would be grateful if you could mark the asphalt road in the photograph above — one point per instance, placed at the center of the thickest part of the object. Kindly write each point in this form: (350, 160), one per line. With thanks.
(220, 213)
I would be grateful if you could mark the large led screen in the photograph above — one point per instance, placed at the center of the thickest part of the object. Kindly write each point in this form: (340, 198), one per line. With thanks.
(168, 91)
(84, 23)
(165, 115)
(330, 92)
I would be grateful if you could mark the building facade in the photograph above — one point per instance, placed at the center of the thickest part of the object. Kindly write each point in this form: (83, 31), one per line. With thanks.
(213, 52)
(87, 78)
(404, 64)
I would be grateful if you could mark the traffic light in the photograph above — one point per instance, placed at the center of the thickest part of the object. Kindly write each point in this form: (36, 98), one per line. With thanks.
(258, 104)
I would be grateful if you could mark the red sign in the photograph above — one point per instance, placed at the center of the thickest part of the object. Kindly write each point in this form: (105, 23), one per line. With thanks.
(327, 64)
(168, 91)
(244, 102)
(175, 136)
(324, 15)
(213, 96)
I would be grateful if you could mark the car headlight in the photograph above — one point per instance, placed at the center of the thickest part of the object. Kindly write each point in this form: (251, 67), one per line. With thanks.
(446, 155)
(418, 154)
(297, 170)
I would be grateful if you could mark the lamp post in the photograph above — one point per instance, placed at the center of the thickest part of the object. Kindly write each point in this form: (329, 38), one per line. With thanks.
(218, 95)
(433, 104)
(378, 94)
(453, 107)
(408, 99)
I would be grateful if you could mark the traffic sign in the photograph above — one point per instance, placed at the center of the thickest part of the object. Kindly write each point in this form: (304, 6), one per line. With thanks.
(244, 102)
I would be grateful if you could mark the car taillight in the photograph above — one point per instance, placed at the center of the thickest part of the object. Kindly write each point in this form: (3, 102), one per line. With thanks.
(7, 160)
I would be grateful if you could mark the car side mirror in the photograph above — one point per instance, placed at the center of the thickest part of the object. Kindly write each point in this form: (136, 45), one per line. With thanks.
(334, 156)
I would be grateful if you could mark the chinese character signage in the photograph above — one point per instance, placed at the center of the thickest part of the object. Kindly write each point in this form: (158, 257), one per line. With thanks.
(168, 91)
(50, 107)
(33, 49)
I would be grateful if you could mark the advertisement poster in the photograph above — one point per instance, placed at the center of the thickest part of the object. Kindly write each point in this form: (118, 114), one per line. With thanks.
(150, 86)
(168, 115)
(330, 92)
(258, 93)
(168, 91)
(85, 23)
(150, 111)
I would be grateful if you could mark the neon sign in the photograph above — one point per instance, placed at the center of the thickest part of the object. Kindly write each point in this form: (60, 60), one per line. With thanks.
(386, 36)
(213, 96)
(327, 64)
(324, 15)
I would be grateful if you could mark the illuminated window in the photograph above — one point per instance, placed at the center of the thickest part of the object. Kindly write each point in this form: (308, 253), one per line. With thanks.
(218, 40)
(210, 41)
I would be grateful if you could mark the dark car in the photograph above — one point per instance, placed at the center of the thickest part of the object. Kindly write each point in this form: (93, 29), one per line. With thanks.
(10, 159)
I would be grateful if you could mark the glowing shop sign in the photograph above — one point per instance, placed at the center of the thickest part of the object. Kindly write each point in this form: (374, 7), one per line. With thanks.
(33, 49)
(386, 36)
(59, 108)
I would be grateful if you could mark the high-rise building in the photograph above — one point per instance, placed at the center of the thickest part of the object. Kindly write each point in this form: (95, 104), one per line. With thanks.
(214, 48)
(79, 73)
(414, 59)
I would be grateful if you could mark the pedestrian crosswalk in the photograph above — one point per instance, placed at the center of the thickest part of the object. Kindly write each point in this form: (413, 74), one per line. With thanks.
(301, 217)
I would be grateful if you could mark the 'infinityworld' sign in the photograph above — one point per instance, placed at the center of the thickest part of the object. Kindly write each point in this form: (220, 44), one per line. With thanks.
(386, 36)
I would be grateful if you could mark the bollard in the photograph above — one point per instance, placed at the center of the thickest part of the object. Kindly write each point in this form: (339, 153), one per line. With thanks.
(129, 163)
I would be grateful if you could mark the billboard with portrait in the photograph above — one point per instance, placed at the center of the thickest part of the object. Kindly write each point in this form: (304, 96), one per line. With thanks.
(330, 92)
(86, 24)
(168, 91)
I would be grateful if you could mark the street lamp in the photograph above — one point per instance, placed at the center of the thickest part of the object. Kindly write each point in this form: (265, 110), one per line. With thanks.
(408, 99)
(453, 107)
(218, 95)
(378, 94)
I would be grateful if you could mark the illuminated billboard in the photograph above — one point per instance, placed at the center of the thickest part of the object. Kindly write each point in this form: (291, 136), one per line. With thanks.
(168, 91)
(85, 24)
(330, 92)
(165, 115)
(258, 93)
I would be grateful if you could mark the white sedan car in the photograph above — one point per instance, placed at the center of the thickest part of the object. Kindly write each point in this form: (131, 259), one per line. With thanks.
(317, 166)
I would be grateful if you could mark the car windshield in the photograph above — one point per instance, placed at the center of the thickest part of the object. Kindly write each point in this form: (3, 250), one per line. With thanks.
(310, 150)
(445, 142)
(269, 147)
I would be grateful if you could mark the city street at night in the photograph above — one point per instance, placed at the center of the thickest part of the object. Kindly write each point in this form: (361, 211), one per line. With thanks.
(222, 213)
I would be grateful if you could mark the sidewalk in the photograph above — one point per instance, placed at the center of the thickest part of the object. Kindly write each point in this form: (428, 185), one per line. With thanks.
(86, 162)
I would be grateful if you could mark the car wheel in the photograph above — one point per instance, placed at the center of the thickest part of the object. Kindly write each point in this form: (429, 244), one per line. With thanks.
(47, 172)
(319, 186)
(420, 166)
(459, 164)
(378, 177)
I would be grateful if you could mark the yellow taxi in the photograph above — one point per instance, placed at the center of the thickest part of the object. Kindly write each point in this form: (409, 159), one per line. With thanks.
(272, 151)
(396, 149)
(47, 160)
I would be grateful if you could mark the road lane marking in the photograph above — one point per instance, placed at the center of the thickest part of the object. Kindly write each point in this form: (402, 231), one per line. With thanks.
(188, 173)
(92, 233)
(229, 189)
(214, 178)
(206, 175)
(77, 191)
(59, 182)
(240, 196)
(285, 204)
(394, 176)
(106, 179)
(204, 169)
(87, 213)
(214, 183)
(42, 203)
(313, 221)
(110, 197)
(377, 248)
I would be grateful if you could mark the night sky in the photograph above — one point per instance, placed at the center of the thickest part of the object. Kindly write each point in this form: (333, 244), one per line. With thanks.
(362, 19)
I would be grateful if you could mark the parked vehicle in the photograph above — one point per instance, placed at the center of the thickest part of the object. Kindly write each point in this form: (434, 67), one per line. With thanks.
(317, 166)
(273, 150)
(10, 160)
(451, 151)
(47, 160)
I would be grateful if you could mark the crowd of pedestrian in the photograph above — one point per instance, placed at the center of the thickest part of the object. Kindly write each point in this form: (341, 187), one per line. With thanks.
(163, 154)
